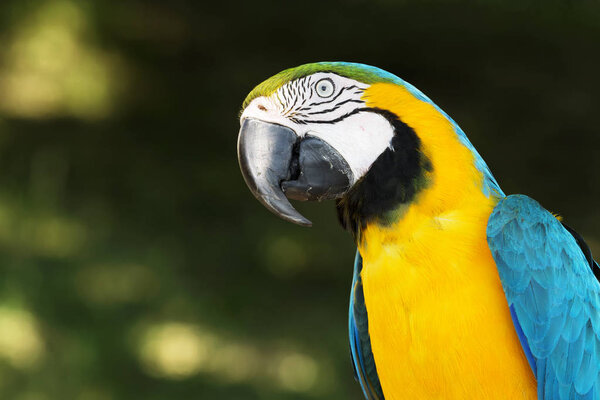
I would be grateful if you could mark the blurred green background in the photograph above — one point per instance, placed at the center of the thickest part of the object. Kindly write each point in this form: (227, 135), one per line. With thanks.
(135, 264)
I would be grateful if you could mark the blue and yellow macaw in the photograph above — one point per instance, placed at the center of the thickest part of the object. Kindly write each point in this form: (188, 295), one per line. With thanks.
(459, 291)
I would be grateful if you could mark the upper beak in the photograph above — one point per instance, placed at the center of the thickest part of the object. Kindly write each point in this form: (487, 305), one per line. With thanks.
(276, 163)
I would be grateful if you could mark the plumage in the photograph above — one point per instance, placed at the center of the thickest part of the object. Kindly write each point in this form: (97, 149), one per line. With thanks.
(437, 245)
(459, 292)
(556, 297)
(360, 343)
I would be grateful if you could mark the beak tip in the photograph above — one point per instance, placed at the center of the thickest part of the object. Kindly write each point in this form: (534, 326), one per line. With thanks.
(284, 210)
(303, 222)
(295, 218)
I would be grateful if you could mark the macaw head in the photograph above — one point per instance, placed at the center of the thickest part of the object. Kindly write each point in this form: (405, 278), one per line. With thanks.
(344, 131)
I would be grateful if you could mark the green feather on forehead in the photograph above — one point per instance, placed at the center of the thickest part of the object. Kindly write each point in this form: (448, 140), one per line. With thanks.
(359, 72)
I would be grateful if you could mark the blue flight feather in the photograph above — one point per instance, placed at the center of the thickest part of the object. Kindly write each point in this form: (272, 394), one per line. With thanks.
(522, 339)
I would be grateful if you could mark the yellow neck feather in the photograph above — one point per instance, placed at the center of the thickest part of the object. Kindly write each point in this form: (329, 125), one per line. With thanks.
(454, 182)
(438, 320)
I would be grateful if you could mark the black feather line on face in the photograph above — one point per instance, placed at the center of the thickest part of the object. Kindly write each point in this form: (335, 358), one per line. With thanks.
(336, 107)
(393, 180)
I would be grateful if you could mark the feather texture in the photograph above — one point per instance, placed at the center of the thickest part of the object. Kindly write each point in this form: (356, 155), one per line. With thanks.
(554, 294)
(360, 342)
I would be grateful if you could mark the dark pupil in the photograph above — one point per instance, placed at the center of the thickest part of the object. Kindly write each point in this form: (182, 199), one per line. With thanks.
(323, 88)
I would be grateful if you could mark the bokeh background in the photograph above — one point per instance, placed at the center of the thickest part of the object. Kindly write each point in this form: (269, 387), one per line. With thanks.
(135, 264)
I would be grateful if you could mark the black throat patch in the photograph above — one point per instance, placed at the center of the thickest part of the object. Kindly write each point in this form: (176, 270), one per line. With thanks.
(393, 180)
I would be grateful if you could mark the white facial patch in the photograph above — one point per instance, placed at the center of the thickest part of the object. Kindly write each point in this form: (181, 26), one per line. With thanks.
(360, 139)
(330, 107)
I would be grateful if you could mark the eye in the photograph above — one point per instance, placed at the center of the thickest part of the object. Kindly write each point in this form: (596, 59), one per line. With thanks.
(325, 87)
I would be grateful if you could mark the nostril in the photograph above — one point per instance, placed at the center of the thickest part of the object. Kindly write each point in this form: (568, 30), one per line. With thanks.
(262, 108)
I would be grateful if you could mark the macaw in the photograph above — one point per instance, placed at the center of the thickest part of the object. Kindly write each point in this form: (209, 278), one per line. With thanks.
(459, 291)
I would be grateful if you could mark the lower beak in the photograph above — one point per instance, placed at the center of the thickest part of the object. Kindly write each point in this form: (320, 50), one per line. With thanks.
(277, 165)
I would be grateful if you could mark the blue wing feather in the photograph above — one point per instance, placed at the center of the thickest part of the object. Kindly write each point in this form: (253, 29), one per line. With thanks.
(365, 370)
(553, 295)
(522, 339)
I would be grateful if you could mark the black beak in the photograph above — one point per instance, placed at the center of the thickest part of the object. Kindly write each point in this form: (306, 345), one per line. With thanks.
(278, 165)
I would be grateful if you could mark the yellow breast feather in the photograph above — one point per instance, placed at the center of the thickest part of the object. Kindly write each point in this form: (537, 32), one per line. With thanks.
(439, 323)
